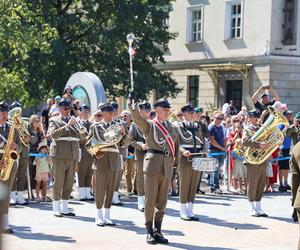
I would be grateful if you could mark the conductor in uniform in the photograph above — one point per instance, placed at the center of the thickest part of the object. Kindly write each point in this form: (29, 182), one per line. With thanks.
(256, 174)
(162, 154)
(191, 141)
(140, 149)
(64, 152)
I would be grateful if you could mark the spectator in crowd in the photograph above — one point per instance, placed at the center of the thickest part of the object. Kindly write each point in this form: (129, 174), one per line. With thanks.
(217, 145)
(45, 115)
(265, 100)
(97, 116)
(179, 116)
(284, 165)
(294, 130)
(54, 108)
(232, 108)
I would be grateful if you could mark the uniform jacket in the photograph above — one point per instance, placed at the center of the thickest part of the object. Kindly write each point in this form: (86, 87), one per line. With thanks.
(294, 133)
(137, 140)
(295, 170)
(64, 149)
(157, 163)
(4, 134)
(84, 153)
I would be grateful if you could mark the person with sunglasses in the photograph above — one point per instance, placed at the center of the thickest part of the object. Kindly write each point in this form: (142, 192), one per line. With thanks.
(191, 142)
(64, 152)
(84, 171)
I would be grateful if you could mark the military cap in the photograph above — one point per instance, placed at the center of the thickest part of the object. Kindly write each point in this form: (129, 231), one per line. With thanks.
(145, 105)
(64, 103)
(288, 112)
(106, 107)
(4, 107)
(84, 107)
(198, 110)
(15, 104)
(163, 103)
(297, 116)
(115, 105)
(187, 108)
(254, 113)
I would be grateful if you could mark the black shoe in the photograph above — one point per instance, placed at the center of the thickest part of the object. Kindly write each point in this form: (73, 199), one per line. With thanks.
(91, 199)
(120, 204)
(83, 199)
(8, 231)
(150, 239)
(135, 192)
(174, 193)
(110, 224)
(287, 187)
(58, 214)
(282, 188)
(262, 215)
(142, 210)
(200, 191)
(194, 218)
(216, 191)
(160, 238)
(100, 224)
(186, 218)
(68, 214)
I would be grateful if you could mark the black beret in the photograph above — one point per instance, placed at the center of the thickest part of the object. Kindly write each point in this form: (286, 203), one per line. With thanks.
(106, 107)
(187, 108)
(4, 107)
(254, 113)
(84, 106)
(64, 103)
(115, 105)
(163, 103)
(145, 105)
(15, 104)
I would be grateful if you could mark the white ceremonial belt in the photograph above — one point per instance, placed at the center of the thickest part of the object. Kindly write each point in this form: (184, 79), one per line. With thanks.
(189, 146)
(67, 139)
(1, 151)
(114, 150)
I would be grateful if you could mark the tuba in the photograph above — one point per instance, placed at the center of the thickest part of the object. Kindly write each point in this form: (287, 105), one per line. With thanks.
(268, 133)
(10, 156)
(112, 137)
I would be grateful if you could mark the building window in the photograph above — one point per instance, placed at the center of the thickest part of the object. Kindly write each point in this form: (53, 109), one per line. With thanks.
(193, 90)
(195, 24)
(290, 22)
(233, 19)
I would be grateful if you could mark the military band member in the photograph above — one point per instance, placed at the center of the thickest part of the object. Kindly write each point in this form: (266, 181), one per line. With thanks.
(295, 171)
(4, 132)
(85, 164)
(163, 150)
(294, 130)
(122, 157)
(140, 146)
(256, 174)
(191, 141)
(64, 152)
(105, 165)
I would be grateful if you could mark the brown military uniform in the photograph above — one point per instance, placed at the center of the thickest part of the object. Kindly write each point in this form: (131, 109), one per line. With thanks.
(158, 167)
(191, 139)
(4, 131)
(294, 132)
(256, 174)
(64, 152)
(137, 140)
(295, 171)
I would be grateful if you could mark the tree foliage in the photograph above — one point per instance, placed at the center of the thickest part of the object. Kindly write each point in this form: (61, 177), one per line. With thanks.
(43, 42)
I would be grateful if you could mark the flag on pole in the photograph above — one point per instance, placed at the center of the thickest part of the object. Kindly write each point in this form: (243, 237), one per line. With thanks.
(132, 51)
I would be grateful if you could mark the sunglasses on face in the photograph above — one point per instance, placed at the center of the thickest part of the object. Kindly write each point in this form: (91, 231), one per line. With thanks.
(98, 115)
(236, 120)
(179, 115)
(67, 109)
(219, 118)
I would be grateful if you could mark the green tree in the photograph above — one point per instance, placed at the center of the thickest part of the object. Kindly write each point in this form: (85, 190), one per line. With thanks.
(47, 41)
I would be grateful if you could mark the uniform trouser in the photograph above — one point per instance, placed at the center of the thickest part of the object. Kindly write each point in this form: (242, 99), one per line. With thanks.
(105, 183)
(189, 180)
(129, 173)
(9, 184)
(256, 181)
(140, 178)
(156, 196)
(85, 172)
(118, 177)
(20, 180)
(63, 173)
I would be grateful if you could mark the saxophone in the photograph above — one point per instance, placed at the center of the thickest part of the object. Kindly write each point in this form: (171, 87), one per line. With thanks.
(268, 133)
(10, 156)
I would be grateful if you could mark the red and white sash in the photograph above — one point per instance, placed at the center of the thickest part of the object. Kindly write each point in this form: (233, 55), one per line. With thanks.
(166, 134)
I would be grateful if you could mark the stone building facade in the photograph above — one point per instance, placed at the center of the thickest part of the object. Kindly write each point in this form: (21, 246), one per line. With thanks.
(226, 49)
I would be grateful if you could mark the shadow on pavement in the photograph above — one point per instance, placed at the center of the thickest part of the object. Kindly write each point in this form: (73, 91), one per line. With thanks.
(223, 223)
(193, 247)
(288, 220)
(26, 233)
(130, 226)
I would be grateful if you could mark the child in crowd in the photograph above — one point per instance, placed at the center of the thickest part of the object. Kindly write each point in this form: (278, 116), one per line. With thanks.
(42, 172)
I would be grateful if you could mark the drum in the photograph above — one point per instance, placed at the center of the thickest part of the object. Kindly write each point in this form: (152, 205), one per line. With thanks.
(205, 164)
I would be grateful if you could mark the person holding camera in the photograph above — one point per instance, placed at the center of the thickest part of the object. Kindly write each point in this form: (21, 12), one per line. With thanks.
(294, 130)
